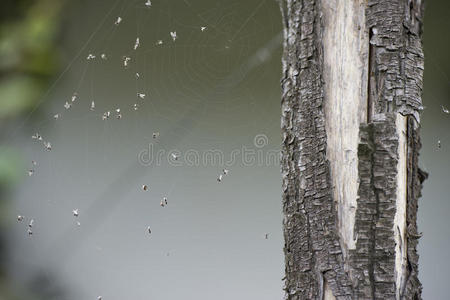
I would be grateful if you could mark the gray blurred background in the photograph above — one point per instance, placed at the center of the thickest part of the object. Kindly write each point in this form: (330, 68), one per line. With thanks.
(212, 95)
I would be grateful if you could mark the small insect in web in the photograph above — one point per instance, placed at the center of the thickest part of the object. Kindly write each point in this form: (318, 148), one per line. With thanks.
(34, 163)
(103, 56)
(144, 187)
(155, 135)
(30, 225)
(148, 3)
(220, 178)
(159, 42)
(106, 115)
(37, 136)
(74, 97)
(445, 110)
(99, 298)
(92, 108)
(19, 218)
(56, 117)
(225, 171)
(266, 236)
(174, 156)
(149, 230)
(90, 56)
(118, 114)
(30, 172)
(30, 232)
(137, 75)
(67, 105)
(439, 144)
(136, 45)
(141, 95)
(163, 202)
(75, 212)
(135, 106)
(47, 146)
(118, 20)
(203, 28)
(126, 61)
(174, 36)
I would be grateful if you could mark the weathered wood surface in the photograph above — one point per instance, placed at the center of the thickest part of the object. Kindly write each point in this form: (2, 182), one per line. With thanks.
(351, 98)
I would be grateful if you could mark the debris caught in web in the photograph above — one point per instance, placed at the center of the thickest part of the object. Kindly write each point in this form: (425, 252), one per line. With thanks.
(137, 75)
(163, 202)
(135, 106)
(445, 110)
(90, 56)
(92, 108)
(144, 187)
(19, 218)
(136, 45)
(174, 36)
(155, 135)
(30, 172)
(148, 3)
(149, 230)
(159, 42)
(220, 178)
(225, 171)
(67, 105)
(439, 144)
(119, 19)
(203, 28)
(34, 163)
(174, 156)
(141, 95)
(75, 212)
(30, 225)
(126, 61)
(118, 114)
(56, 116)
(30, 232)
(47, 146)
(103, 56)
(37, 136)
(266, 236)
(106, 115)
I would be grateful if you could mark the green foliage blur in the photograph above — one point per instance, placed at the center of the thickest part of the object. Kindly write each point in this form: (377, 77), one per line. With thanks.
(29, 58)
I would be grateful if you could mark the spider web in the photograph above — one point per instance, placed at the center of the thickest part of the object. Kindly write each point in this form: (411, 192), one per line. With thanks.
(214, 88)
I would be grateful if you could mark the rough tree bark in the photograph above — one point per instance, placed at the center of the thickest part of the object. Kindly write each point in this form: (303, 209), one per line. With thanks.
(351, 97)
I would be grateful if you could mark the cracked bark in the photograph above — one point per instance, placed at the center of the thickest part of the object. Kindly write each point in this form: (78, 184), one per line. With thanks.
(351, 101)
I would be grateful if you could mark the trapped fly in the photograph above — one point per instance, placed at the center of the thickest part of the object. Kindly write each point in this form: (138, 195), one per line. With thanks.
(174, 36)
(37, 136)
(126, 61)
(47, 146)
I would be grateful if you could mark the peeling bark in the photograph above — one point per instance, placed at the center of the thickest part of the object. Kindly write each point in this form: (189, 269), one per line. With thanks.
(350, 219)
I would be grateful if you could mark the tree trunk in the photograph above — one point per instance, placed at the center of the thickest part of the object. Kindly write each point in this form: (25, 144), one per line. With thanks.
(351, 97)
